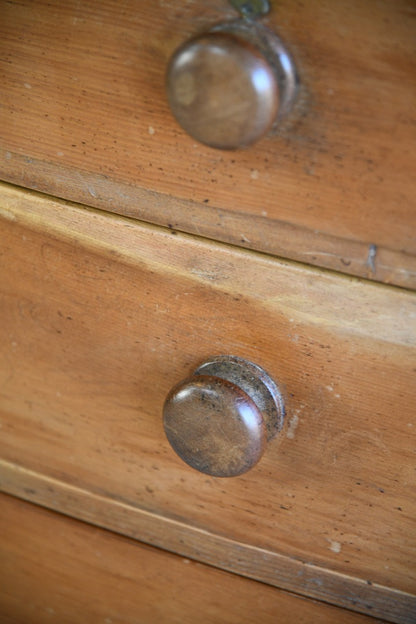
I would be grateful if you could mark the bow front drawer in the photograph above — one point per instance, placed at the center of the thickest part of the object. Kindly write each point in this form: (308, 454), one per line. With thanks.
(102, 316)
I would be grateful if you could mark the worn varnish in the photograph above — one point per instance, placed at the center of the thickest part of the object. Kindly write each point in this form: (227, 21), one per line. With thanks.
(83, 115)
(220, 419)
(55, 568)
(256, 563)
(214, 92)
(102, 315)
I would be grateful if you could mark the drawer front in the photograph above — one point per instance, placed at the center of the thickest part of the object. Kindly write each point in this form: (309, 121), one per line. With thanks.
(84, 116)
(57, 567)
(101, 316)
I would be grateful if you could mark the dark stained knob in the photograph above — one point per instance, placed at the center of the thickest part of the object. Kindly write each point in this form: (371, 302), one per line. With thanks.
(228, 87)
(220, 419)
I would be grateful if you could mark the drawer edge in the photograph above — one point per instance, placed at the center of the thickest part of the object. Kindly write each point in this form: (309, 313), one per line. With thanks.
(285, 240)
(249, 561)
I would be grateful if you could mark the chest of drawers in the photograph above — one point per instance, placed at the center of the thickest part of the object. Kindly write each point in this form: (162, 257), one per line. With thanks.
(130, 254)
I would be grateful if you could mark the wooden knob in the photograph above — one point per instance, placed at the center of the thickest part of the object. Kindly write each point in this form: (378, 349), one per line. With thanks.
(224, 89)
(220, 419)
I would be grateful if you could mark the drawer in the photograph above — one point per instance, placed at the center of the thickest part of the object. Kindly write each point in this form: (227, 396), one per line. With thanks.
(56, 567)
(84, 116)
(102, 315)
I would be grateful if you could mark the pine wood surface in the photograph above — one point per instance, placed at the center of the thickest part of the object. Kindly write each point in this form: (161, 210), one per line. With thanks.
(83, 115)
(102, 315)
(54, 568)
(280, 571)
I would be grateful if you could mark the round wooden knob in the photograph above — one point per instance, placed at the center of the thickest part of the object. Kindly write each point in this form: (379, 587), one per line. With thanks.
(220, 419)
(226, 87)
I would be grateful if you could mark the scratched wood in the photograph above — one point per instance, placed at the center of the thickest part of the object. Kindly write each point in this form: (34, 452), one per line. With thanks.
(102, 315)
(57, 568)
(83, 115)
(251, 562)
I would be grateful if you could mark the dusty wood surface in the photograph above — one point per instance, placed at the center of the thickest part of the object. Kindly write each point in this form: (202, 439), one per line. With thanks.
(101, 316)
(55, 568)
(83, 115)
(251, 562)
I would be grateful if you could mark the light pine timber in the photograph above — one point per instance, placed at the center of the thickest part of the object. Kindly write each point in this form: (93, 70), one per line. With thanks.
(54, 568)
(253, 563)
(84, 116)
(102, 315)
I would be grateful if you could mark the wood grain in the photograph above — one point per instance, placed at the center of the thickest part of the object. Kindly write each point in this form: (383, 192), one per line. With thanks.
(57, 568)
(84, 116)
(101, 316)
(248, 561)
